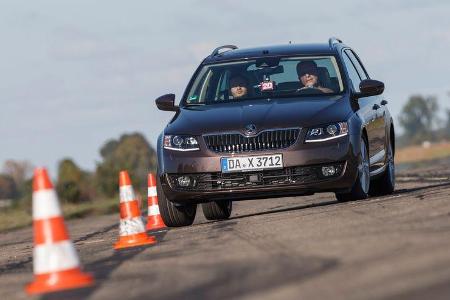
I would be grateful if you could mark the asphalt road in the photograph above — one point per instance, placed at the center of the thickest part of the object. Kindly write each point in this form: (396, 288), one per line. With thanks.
(395, 247)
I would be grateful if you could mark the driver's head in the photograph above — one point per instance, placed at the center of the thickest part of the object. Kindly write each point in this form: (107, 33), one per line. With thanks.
(238, 86)
(308, 73)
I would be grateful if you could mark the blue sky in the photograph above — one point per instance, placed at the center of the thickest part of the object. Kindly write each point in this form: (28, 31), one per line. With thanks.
(76, 73)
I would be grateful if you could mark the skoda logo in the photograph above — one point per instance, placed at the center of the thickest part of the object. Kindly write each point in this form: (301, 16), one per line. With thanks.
(250, 129)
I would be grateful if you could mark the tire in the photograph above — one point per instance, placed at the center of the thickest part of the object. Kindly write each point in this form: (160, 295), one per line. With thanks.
(175, 215)
(217, 210)
(385, 185)
(360, 189)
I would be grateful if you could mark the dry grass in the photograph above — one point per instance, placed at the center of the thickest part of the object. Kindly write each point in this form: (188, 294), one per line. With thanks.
(419, 154)
(20, 216)
(13, 218)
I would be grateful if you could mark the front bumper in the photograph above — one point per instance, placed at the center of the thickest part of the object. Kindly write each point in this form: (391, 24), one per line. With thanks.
(299, 176)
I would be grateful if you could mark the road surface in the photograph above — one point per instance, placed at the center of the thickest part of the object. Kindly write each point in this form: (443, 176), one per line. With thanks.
(312, 247)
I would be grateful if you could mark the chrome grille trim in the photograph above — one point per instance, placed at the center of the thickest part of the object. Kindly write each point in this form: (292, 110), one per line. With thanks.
(236, 142)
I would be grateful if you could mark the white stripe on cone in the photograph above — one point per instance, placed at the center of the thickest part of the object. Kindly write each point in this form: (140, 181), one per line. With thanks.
(152, 191)
(131, 226)
(153, 210)
(45, 204)
(127, 193)
(54, 257)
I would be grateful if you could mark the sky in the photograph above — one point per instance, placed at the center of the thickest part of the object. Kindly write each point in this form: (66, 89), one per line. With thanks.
(75, 74)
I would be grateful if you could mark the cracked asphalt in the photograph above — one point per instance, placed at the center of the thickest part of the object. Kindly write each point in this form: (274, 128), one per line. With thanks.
(311, 247)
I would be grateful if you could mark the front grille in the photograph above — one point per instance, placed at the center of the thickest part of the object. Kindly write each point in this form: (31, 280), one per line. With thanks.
(265, 140)
(244, 180)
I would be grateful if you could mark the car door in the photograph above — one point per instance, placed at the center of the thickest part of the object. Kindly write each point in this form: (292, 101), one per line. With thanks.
(379, 124)
(366, 111)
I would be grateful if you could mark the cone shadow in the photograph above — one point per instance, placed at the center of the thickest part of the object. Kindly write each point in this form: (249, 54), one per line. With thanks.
(101, 270)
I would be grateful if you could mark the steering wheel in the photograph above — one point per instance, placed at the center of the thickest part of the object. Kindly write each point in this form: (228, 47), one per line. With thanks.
(310, 91)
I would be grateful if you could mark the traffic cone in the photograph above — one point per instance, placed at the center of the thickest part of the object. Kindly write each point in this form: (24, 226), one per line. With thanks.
(132, 232)
(55, 260)
(154, 220)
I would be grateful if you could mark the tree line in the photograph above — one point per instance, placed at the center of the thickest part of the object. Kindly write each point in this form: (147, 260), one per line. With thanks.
(421, 121)
(130, 152)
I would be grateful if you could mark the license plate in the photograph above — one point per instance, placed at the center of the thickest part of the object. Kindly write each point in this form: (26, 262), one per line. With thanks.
(251, 163)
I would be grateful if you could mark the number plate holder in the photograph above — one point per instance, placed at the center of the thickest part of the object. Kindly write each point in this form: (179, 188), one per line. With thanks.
(251, 163)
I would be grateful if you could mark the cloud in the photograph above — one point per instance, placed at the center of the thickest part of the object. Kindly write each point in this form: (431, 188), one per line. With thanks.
(73, 44)
(201, 49)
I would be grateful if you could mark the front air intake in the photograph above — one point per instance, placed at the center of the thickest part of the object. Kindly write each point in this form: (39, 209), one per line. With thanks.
(265, 140)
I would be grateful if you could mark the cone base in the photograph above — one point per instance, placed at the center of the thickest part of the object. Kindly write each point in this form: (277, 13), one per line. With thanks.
(134, 240)
(154, 227)
(153, 224)
(63, 280)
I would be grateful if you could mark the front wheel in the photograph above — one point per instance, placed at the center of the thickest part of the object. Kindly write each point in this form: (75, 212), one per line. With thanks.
(217, 210)
(175, 215)
(360, 189)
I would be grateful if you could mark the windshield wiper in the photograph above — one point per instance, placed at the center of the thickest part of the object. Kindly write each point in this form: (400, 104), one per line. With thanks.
(195, 104)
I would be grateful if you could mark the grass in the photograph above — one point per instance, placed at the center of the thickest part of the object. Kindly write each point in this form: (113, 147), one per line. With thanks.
(101, 207)
(414, 154)
(20, 216)
(13, 218)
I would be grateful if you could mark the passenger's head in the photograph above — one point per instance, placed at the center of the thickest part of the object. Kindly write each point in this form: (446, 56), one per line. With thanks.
(308, 73)
(238, 86)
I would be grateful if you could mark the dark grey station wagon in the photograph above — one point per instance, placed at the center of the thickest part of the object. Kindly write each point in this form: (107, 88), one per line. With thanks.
(293, 119)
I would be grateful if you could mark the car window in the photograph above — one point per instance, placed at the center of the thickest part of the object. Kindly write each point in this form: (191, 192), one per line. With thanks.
(361, 71)
(266, 77)
(352, 73)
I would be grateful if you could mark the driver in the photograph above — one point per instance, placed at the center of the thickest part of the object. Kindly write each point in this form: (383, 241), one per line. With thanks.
(238, 87)
(308, 74)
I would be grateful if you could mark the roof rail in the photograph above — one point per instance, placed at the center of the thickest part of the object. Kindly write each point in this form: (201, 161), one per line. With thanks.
(216, 51)
(333, 40)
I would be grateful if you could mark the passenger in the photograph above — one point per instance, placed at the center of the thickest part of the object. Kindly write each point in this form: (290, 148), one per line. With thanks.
(308, 74)
(238, 87)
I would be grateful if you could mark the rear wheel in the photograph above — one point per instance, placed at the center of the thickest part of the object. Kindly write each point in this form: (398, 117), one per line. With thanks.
(360, 189)
(217, 210)
(385, 185)
(175, 215)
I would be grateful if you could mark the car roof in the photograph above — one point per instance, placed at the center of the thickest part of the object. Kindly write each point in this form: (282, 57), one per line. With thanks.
(230, 54)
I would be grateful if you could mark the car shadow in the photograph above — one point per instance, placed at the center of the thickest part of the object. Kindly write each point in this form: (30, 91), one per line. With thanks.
(410, 190)
(331, 202)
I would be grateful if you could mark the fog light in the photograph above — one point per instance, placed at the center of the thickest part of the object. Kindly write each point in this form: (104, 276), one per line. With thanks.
(184, 181)
(328, 171)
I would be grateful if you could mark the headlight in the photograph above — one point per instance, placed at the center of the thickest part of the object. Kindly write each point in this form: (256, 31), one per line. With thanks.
(181, 143)
(328, 132)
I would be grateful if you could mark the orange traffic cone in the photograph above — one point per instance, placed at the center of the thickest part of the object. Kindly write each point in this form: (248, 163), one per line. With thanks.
(55, 263)
(154, 220)
(132, 232)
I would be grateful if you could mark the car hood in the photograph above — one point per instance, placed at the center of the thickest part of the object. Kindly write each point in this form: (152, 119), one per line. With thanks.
(264, 114)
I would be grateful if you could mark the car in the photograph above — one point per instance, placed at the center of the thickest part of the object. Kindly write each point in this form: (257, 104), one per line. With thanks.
(272, 121)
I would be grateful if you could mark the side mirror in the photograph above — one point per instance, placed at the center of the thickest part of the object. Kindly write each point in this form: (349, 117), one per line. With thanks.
(166, 102)
(370, 87)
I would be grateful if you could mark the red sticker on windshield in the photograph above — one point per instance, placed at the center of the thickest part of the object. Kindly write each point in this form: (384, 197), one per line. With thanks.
(266, 86)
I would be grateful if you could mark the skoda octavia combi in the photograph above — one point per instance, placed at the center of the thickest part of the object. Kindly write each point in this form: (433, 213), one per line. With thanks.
(293, 119)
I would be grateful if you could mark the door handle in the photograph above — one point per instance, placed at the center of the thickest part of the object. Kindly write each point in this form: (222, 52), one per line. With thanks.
(375, 107)
(384, 102)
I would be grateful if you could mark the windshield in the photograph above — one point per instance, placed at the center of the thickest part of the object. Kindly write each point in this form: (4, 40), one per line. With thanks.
(267, 77)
